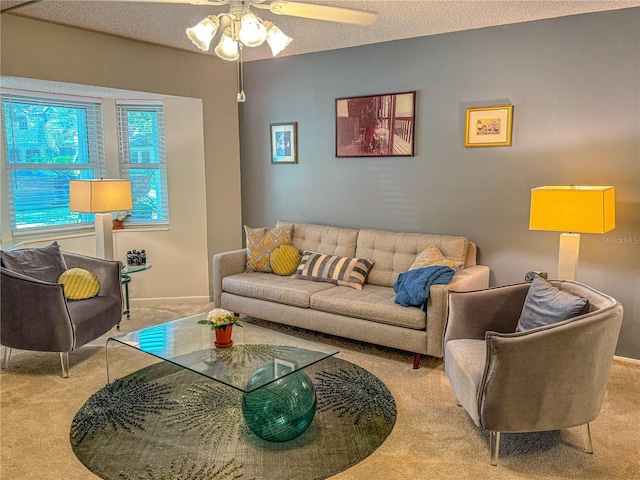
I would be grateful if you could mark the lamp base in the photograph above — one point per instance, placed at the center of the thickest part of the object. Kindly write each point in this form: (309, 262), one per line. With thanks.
(568, 257)
(104, 235)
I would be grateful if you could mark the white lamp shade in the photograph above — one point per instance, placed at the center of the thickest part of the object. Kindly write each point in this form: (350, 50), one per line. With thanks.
(99, 196)
(227, 49)
(202, 34)
(252, 32)
(277, 40)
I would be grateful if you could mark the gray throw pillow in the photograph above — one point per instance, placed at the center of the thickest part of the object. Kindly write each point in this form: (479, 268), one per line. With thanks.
(546, 304)
(43, 263)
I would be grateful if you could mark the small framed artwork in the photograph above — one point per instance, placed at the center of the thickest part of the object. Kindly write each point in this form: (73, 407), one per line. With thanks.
(282, 367)
(284, 142)
(376, 125)
(489, 126)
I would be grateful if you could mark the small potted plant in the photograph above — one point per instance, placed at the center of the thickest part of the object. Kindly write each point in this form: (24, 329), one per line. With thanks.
(118, 218)
(222, 322)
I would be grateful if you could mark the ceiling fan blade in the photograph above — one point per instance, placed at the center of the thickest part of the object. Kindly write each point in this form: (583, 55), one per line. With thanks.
(192, 2)
(323, 12)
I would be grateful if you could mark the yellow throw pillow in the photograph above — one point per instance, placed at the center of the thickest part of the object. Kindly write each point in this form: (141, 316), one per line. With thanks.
(431, 256)
(261, 242)
(285, 260)
(79, 284)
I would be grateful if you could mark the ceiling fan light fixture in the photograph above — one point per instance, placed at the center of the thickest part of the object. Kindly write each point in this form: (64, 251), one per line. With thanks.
(202, 34)
(276, 39)
(252, 32)
(227, 49)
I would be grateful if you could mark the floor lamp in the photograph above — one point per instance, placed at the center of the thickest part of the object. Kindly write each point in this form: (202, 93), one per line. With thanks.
(101, 197)
(575, 209)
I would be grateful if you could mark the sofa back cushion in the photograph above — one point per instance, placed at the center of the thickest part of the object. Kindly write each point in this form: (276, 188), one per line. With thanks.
(393, 253)
(323, 239)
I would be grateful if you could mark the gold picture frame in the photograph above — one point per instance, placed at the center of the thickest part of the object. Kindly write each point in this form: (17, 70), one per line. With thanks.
(489, 126)
(284, 142)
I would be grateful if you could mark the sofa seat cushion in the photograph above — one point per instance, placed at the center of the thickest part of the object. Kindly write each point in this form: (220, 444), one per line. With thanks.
(372, 303)
(274, 288)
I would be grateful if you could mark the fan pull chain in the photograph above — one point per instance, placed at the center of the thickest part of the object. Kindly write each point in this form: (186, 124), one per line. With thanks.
(240, 76)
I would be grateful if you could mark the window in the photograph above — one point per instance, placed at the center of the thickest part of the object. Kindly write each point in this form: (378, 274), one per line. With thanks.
(49, 141)
(143, 161)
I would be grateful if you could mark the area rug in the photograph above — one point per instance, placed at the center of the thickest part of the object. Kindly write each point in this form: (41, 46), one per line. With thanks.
(163, 422)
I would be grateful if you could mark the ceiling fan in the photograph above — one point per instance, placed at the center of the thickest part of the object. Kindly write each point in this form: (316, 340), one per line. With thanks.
(240, 28)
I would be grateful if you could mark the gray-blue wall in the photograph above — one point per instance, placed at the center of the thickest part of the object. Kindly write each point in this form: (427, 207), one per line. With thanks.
(575, 85)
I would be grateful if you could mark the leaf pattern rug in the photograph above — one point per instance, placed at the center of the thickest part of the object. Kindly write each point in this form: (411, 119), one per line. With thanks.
(166, 423)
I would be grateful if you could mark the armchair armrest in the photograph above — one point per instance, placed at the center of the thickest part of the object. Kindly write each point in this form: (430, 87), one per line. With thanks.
(532, 379)
(471, 314)
(107, 271)
(34, 314)
(225, 264)
(472, 278)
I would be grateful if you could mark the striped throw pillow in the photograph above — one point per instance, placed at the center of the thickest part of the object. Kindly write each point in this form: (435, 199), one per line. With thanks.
(79, 284)
(285, 260)
(345, 271)
(261, 242)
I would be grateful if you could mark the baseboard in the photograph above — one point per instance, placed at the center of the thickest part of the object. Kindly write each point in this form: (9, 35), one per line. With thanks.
(152, 302)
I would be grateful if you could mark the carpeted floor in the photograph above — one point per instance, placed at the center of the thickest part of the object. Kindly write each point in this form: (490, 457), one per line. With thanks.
(432, 437)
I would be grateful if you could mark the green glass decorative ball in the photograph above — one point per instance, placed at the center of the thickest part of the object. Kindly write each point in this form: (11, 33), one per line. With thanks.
(282, 410)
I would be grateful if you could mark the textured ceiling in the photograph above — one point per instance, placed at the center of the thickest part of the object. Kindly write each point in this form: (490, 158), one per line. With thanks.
(165, 23)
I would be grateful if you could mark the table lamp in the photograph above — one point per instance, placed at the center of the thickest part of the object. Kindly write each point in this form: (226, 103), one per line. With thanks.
(574, 209)
(100, 197)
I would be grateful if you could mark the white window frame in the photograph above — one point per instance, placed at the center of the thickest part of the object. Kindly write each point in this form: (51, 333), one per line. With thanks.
(123, 107)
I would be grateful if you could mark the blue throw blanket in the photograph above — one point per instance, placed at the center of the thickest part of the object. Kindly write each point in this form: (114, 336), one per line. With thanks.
(412, 287)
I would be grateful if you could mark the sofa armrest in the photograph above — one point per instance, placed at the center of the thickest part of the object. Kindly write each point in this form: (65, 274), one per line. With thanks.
(472, 278)
(471, 314)
(34, 314)
(225, 264)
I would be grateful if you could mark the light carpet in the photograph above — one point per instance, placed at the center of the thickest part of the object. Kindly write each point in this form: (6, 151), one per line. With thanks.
(432, 437)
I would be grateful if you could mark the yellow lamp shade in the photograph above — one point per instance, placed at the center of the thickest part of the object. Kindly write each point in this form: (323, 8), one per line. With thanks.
(579, 209)
(99, 196)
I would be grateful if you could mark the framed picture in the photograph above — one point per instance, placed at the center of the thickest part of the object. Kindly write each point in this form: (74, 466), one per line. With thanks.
(284, 142)
(376, 126)
(489, 126)
(282, 367)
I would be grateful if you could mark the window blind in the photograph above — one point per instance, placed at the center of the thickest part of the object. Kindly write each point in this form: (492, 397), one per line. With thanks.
(49, 141)
(143, 160)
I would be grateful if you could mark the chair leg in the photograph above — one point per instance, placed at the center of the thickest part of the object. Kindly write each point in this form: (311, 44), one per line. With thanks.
(586, 438)
(6, 354)
(494, 445)
(64, 360)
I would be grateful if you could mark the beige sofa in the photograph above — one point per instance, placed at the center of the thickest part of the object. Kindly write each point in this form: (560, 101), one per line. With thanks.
(368, 315)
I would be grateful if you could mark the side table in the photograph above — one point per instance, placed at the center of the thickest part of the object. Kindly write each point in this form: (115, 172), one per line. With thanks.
(125, 279)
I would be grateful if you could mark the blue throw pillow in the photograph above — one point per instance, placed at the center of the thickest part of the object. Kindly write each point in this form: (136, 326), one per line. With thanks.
(546, 304)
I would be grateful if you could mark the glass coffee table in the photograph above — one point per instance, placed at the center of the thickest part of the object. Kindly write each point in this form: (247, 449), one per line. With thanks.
(278, 398)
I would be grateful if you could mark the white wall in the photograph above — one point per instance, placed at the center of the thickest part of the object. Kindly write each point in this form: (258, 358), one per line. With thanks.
(178, 253)
(38, 50)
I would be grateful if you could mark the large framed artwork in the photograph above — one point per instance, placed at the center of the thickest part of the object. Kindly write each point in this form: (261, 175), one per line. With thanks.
(284, 142)
(489, 126)
(376, 125)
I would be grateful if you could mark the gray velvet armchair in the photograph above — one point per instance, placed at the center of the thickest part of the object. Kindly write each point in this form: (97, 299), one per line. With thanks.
(36, 315)
(547, 378)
